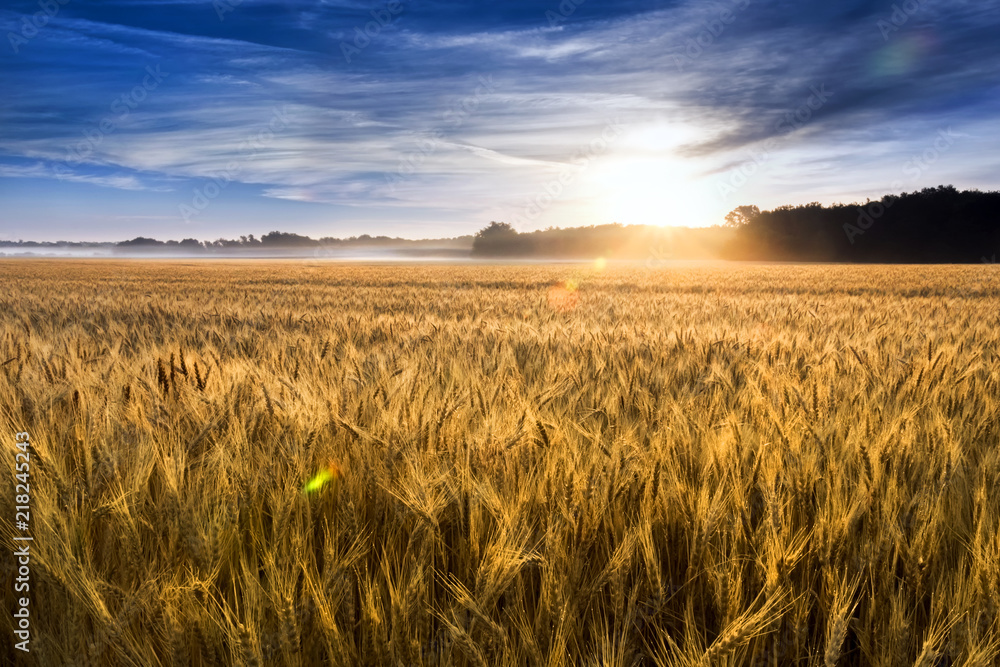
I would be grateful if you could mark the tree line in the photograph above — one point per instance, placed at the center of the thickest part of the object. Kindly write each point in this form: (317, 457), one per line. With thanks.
(280, 241)
(933, 225)
(613, 241)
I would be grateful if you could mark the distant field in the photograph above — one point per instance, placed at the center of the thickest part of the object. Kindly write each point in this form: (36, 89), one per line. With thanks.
(559, 465)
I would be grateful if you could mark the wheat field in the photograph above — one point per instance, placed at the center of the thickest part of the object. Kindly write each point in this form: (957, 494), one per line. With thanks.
(526, 465)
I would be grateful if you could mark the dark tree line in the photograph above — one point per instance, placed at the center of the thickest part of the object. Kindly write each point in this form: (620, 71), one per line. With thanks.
(939, 225)
(933, 225)
(613, 241)
(276, 241)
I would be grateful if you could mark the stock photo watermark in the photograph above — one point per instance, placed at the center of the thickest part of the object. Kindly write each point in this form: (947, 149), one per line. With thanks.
(901, 15)
(553, 189)
(251, 146)
(659, 257)
(22, 523)
(121, 107)
(563, 12)
(223, 7)
(913, 168)
(30, 26)
(363, 36)
(453, 119)
(789, 122)
(713, 29)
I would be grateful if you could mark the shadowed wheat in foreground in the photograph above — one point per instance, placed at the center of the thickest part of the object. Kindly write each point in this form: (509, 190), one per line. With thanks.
(700, 466)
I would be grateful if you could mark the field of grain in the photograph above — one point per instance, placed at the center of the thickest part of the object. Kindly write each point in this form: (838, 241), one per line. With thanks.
(527, 465)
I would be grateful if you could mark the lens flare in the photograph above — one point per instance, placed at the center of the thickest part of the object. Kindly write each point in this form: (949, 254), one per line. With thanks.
(329, 474)
(903, 55)
(564, 297)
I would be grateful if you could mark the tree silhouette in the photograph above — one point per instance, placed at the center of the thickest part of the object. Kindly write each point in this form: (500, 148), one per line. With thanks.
(496, 230)
(499, 239)
(741, 215)
(940, 225)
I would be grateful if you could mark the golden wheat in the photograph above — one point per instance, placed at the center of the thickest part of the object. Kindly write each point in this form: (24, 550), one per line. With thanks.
(761, 465)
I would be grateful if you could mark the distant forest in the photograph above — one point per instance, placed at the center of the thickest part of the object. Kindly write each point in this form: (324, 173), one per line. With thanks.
(614, 241)
(282, 242)
(274, 243)
(934, 225)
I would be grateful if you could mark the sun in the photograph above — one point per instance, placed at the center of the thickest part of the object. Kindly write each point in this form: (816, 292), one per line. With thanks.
(654, 191)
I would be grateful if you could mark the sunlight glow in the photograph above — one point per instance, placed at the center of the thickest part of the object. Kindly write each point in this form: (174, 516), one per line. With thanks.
(652, 191)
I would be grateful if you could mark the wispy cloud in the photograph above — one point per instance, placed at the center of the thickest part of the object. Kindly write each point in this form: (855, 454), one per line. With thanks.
(557, 85)
(39, 170)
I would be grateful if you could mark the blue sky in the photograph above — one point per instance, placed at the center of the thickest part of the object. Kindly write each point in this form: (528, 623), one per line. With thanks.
(193, 118)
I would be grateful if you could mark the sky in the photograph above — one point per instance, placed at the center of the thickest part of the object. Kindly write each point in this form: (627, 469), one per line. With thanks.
(430, 118)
